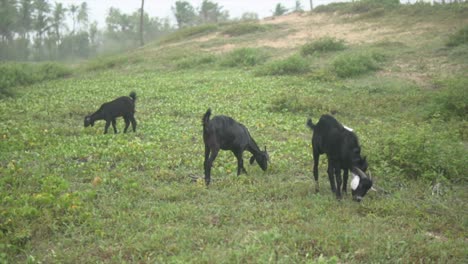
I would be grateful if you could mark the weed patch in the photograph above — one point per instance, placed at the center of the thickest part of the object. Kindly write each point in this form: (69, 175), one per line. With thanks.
(458, 38)
(244, 57)
(290, 66)
(353, 64)
(422, 151)
(451, 101)
(325, 44)
(196, 61)
(244, 28)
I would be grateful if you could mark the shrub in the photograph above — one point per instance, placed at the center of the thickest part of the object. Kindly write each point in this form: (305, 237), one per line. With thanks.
(303, 104)
(423, 151)
(452, 99)
(196, 61)
(323, 45)
(244, 28)
(14, 74)
(352, 64)
(458, 38)
(244, 57)
(289, 66)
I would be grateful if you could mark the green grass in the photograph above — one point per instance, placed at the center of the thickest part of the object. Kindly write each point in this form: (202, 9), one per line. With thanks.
(15, 74)
(189, 32)
(73, 195)
(244, 57)
(239, 29)
(354, 64)
(292, 65)
(325, 44)
(458, 38)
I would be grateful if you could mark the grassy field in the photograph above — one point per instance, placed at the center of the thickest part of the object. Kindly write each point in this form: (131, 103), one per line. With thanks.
(74, 195)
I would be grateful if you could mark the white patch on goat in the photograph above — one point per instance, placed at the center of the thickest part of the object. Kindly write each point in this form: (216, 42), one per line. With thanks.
(355, 182)
(348, 128)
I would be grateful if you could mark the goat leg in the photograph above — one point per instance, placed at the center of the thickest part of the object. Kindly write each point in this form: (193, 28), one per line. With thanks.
(127, 123)
(106, 127)
(113, 126)
(345, 180)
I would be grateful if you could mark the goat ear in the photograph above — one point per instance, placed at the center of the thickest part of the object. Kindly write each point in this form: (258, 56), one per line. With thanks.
(252, 159)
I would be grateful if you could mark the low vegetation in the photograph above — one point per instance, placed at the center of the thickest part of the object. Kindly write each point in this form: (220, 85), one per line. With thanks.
(353, 64)
(243, 28)
(74, 195)
(458, 38)
(325, 44)
(189, 32)
(15, 74)
(244, 57)
(292, 65)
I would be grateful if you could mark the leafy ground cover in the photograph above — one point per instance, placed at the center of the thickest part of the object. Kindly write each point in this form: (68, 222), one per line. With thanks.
(74, 195)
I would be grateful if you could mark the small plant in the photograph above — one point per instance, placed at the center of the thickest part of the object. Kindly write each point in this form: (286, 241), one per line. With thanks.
(353, 64)
(244, 57)
(452, 100)
(458, 38)
(244, 28)
(289, 66)
(196, 61)
(324, 44)
(421, 152)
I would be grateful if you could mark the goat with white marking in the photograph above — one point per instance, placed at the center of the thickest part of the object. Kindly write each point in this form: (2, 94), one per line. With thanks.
(223, 132)
(343, 152)
(121, 107)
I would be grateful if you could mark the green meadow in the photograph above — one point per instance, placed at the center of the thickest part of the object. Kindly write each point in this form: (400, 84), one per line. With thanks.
(396, 75)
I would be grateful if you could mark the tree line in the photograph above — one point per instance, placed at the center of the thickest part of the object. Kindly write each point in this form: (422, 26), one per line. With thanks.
(39, 30)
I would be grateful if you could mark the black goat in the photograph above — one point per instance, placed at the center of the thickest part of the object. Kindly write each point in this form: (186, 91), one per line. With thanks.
(223, 132)
(123, 106)
(343, 152)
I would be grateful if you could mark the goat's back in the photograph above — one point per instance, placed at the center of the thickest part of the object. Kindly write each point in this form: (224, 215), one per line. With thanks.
(226, 132)
(121, 106)
(332, 138)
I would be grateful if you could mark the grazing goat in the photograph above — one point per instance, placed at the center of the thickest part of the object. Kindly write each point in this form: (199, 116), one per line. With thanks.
(223, 132)
(123, 106)
(343, 152)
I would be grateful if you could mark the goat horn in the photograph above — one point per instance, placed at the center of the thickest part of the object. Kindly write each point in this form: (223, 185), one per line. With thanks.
(370, 174)
(360, 172)
(373, 189)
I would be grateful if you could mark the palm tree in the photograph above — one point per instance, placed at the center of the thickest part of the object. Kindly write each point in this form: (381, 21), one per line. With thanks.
(82, 17)
(25, 18)
(141, 22)
(58, 19)
(42, 9)
(7, 20)
(73, 10)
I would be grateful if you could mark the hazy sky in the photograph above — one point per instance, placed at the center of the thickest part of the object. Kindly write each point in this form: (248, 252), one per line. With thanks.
(162, 8)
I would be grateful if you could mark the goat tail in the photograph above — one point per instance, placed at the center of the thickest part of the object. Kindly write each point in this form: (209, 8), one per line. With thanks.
(133, 96)
(310, 124)
(206, 117)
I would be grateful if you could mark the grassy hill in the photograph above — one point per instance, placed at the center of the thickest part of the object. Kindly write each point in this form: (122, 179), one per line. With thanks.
(396, 74)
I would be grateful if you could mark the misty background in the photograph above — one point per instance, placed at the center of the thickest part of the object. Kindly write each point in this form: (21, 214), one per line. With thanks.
(73, 30)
